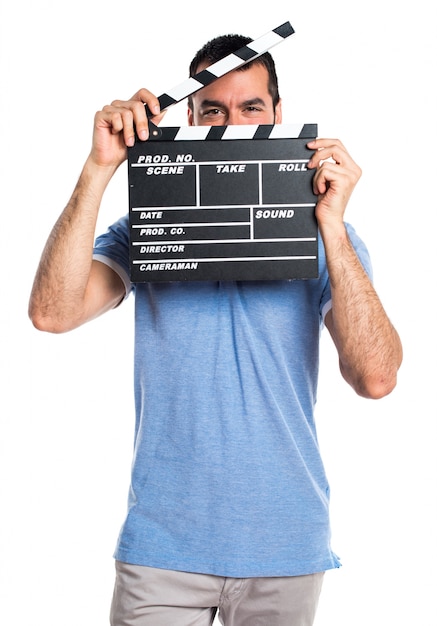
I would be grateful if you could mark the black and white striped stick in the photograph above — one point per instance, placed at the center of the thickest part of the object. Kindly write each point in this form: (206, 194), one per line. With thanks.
(244, 55)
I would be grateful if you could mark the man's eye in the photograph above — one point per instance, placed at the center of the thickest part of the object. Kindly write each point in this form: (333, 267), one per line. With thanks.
(212, 112)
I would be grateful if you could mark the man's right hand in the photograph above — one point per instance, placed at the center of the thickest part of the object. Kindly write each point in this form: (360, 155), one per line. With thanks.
(116, 124)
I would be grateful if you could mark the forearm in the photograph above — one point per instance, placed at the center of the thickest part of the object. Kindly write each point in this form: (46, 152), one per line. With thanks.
(369, 348)
(62, 276)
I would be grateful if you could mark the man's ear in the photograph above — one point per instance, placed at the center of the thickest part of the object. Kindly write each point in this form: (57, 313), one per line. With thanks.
(278, 113)
(190, 117)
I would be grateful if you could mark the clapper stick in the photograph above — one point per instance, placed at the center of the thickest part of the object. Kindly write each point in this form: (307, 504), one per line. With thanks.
(244, 55)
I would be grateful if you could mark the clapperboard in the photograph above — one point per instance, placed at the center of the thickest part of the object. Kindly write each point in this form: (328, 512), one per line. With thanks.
(223, 202)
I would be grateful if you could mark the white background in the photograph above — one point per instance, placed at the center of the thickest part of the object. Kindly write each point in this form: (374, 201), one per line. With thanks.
(365, 72)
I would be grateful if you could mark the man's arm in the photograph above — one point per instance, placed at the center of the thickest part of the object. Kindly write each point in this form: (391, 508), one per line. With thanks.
(369, 348)
(69, 287)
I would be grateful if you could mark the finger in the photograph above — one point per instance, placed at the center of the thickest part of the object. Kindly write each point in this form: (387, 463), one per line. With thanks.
(156, 119)
(151, 108)
(111, 118)
(118, 120)
(316, 144)
(334, 154)
(147, 97)
(333, 162)
(338, 180)
(132, 116)
(320, 183)
(128, 126)
(325, 149)
(129, 117)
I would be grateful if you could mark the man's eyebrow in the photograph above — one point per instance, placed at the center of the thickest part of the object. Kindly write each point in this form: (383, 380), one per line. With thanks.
(210, 103)
(218, 104)
(254, 101)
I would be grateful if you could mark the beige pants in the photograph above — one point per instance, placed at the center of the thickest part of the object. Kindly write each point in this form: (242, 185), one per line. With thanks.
(145, 596)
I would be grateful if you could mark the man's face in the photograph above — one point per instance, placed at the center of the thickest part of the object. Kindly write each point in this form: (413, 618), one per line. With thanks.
(239, 97)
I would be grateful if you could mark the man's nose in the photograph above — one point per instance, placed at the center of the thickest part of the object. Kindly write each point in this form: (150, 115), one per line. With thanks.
(234, 117)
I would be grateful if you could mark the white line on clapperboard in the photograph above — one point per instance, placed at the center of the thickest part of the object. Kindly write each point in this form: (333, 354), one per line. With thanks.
(235, 162)
(227, 259)
(221, 241)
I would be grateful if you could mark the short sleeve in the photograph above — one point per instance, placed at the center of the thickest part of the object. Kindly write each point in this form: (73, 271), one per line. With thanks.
(364, 257)
(112, 249)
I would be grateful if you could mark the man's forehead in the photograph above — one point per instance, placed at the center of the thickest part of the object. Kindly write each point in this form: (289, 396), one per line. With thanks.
(255, 76)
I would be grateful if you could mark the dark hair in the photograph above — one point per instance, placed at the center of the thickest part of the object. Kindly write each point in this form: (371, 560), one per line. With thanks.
(219, 47)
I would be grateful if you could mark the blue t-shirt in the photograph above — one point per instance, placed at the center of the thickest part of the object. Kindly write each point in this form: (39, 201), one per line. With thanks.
(227, 477)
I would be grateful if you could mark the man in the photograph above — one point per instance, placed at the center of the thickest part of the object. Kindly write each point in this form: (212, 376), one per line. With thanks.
(228, 505)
